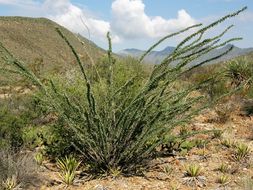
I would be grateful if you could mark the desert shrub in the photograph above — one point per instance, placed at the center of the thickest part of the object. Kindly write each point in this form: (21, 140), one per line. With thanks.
(59, 142)
(15, 116)
(240, 71)
(17, 170)
(32, 136)
(116, 116)
(217, 88)
(57, 137)
(19, 126)
(247, 107)
(250, 92)
(10, 130)
(124, 68)
(218, 83)
(223, 113)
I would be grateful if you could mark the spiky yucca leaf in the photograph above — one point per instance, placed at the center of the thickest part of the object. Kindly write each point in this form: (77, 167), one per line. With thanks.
(68, 167)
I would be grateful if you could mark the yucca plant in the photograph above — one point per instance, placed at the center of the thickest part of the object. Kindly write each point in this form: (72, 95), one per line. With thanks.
(39, 158)
(229, 143)
(168, 169)
(217, 134)
(115, 172)
(239, 71)
(68, 167)
(224, 168)
(113, 128)
(241, 151)
(193, 170)
(11, 183)
(174, 186)
(193, 176)
(223, 180)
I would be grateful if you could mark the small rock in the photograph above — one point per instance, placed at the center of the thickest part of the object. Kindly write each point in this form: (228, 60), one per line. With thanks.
(100, 187)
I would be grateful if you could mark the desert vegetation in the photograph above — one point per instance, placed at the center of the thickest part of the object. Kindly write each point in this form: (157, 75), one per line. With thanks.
(103, 124)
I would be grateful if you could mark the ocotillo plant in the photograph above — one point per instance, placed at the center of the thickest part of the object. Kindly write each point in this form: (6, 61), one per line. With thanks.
(113, 131)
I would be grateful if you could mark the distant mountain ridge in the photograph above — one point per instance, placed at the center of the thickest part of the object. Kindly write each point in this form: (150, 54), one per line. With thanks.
(157, 56)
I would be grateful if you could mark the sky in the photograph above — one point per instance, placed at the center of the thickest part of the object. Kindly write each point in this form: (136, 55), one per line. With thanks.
(136, 23)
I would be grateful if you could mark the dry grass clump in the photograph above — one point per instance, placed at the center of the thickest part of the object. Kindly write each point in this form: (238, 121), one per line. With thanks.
(17, 170)
(247, 184)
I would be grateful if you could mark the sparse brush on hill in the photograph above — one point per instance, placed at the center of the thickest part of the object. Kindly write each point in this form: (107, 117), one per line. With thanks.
(35, 41)
(16, 115)
(216, 87)
(118, 125)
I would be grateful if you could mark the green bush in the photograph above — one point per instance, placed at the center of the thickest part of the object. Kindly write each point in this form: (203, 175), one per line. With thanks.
(240, 71)
(10, 129)
(57, 137)
(16, 114)
(116, 116)
(218, 84)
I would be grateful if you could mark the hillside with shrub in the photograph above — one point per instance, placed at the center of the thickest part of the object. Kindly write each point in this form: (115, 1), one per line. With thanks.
(35, 42)
(120, 124)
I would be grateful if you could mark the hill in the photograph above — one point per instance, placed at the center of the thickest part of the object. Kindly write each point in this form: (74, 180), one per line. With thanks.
(35, 40)
(157, 56)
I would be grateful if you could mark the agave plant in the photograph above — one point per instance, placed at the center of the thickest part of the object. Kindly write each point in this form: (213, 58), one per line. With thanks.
(193, 176)
(223, 180)
(193, 170)
(112, 130)
(11, 183)
(68, 167)
(239, 71)
(242, 151)
(39, 158)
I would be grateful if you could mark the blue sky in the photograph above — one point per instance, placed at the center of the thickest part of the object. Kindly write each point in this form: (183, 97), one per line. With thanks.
(135, 23)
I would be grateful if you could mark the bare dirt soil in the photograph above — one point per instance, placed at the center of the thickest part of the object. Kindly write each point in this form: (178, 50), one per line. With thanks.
(168, 173)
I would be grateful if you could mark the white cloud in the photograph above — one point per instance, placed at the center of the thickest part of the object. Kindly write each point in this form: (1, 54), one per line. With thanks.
(75, 19)
(19, 2)
(131, 21)
(10, 2)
